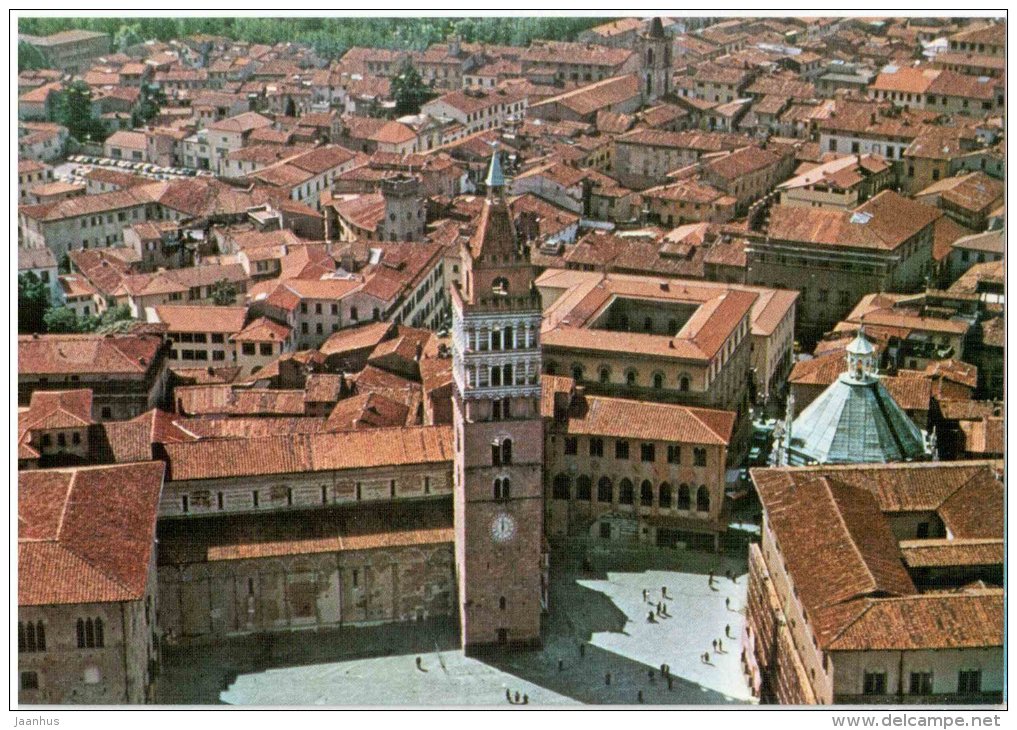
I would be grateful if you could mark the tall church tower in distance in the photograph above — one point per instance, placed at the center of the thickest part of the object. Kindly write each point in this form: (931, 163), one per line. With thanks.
(654, 47)
(498, 433)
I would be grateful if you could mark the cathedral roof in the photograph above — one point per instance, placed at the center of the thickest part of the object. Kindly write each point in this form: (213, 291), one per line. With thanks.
(495, 178)
(854, 422)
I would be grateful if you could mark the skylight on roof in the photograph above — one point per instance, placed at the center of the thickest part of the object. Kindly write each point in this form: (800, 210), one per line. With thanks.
(861, 218)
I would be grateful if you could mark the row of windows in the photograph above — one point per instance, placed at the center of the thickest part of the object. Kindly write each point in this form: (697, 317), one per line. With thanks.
(199, 337)
(220, 497)
(496, 376)
(561, 489)
(32, 635)
(969, 681)
(764, 258)
(264, 348)
(90, 633)
(496, 339)
(61, 439)
(658, 379)
(98, 220)
(217, 355)
(647, 451)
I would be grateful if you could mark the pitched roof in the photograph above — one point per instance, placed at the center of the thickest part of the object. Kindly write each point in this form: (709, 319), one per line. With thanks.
(621, 418)
(719, 308)
(49, 409)
(87, 354)
(245, 122)
(86, 535)
(883, 222)
(224, 399)
(195, 318)
(952, 552)
(297, 453)
(594, 97)
(937, 621)
(830, 526)
(975, 192)
(368, 410)
(356, 338)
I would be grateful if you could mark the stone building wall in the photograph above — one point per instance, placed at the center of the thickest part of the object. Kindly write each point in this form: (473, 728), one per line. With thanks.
(210, 600)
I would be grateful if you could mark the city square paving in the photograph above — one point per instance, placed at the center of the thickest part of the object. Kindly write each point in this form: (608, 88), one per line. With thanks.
(598, 626)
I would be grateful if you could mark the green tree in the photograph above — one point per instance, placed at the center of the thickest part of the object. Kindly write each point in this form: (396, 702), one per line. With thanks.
(29, 57)
(60, 320)
(115, 314)
(114, 319)
(127, 36)
(409, 91)
(74, 111)
(33, 301)
(330, 37)
(151, 100)
(224, 293)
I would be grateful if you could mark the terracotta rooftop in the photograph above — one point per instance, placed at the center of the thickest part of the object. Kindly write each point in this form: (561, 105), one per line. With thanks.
(86, 354)
(232, 537)
(974, 192)
(70, 550)
(594, 97)
(52, 409)
(298, 453)
(555, 52)
(620, 418)
(883, 222)
(263, 329)
(945, 552)
(187, 318)
(834, 537)
(200, 400)
(692, 140)
(369, 410)
(356, 338)
(246, 122)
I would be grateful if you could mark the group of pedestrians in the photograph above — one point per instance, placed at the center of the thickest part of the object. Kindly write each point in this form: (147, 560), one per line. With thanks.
(718, 644)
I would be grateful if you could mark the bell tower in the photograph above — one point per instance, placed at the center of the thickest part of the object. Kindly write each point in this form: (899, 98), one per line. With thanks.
(498, 432)
(654, 48)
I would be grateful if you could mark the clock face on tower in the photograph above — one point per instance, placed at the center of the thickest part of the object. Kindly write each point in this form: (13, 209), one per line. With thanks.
(503, 527)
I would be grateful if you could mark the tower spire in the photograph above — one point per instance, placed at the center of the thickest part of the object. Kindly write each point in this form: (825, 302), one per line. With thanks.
(495, 179)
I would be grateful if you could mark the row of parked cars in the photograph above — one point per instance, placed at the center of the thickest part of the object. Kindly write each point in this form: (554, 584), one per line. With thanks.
(159, 172)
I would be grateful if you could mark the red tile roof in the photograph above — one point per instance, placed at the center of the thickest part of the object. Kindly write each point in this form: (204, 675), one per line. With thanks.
(298, 453)
(883, 222)
(86, 354)
(596, 96)
(831, 527)
(620, 418)
(51, 409)
(188, 318)
(369, 410)
(86, 535)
